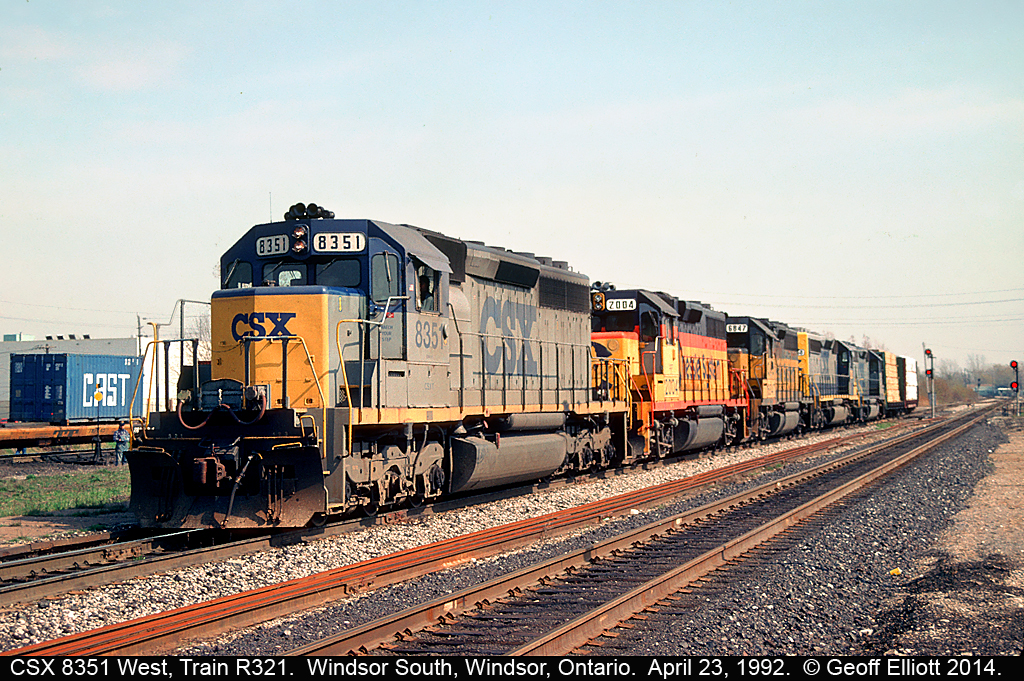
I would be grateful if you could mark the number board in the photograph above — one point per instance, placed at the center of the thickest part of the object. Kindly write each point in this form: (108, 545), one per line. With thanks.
(272, 245)
(620, 304)
(735, 328)
(339, 242)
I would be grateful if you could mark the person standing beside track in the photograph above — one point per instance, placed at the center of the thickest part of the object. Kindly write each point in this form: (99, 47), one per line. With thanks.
(121, 440)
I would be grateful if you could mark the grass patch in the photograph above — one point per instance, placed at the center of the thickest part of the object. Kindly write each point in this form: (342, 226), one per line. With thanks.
(97, 491)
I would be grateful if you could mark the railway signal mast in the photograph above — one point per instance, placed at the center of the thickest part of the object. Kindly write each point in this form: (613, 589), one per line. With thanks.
(930, 372)
(1015, 386)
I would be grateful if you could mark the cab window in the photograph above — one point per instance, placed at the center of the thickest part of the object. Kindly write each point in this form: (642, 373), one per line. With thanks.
(758, 344)
(238, 275)
(620, 321)
(340, 272)
(384, 277)
(648, 327)
(427, 289)
(284, 274)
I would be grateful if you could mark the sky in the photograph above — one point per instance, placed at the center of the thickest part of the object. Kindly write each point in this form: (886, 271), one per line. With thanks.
(855, 168)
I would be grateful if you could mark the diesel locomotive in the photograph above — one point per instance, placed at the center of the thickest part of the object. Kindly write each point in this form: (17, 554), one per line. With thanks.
(358, 365)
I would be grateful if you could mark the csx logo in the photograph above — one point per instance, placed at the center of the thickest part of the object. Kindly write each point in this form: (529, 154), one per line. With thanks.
(506, 317)
(256, 323)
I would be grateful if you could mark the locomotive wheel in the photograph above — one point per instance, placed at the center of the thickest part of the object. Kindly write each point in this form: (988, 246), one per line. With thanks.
(730, 433)
(762, 428)
(611, 457)
(370, 509)
(586, 458)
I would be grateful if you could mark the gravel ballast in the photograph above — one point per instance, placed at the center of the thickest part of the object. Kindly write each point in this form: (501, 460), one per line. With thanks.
(846, 569)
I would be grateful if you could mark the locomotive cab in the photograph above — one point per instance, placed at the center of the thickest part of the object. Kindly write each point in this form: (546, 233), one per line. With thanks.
(767, 354)
(638, 327)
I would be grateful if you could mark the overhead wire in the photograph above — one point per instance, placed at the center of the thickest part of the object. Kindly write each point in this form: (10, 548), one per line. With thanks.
(899, 296)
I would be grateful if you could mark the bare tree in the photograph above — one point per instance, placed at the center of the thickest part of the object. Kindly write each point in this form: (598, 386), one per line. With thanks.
(948, 368)
(199, 327)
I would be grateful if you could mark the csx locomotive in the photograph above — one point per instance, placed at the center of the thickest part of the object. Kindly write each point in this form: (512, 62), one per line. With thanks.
(358, 365)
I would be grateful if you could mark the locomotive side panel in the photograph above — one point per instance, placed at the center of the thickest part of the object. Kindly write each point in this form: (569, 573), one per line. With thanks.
(520, 342)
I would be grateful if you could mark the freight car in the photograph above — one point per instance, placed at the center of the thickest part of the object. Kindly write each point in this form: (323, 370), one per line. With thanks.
(358, 364)
(61, 399)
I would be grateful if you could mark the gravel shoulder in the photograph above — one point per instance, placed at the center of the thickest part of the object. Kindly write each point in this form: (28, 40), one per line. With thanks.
(969, 597)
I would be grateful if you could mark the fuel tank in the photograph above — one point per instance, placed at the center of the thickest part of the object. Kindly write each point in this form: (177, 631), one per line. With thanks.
(478, 463)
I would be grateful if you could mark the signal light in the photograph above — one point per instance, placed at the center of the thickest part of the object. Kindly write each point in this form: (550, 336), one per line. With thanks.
(1013, 364)
(1013, 385)
(927, 372)
(928, 352)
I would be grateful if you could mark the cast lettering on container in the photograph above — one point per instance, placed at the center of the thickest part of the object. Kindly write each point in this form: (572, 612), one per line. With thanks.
(63, 387)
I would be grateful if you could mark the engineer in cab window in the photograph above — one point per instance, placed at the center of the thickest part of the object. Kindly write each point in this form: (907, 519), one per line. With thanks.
(427, 297)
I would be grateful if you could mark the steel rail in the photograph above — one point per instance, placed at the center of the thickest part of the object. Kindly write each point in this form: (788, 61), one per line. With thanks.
(52, 546)
(137, 558)
(587, 627)
(92, 553)
(161, 632)
(387, 630)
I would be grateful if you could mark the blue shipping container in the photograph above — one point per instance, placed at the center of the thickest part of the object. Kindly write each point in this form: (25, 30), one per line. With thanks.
(57, 388)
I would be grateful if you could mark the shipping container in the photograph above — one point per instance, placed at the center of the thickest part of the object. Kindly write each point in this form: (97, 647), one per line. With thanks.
(58, 388)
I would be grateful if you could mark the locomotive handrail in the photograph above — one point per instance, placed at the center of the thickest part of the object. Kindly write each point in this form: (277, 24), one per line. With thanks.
(135, 392)
(284, 371)
(153, 378)
(643, 366)
(341, 358)
(574, 347)
(613, 371)
(462, 358)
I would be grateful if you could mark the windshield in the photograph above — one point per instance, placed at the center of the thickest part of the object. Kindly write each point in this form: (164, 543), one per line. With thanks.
(284, 274)
(620, 321)
(342, 272)
(238, 275)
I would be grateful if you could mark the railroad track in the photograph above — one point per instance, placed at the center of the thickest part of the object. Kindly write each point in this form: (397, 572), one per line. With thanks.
(557, 606)
(97, 560)
(48, 569)
(163, 632)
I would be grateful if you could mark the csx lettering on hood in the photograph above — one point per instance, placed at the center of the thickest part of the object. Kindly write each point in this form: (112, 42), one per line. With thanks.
(256, 323)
